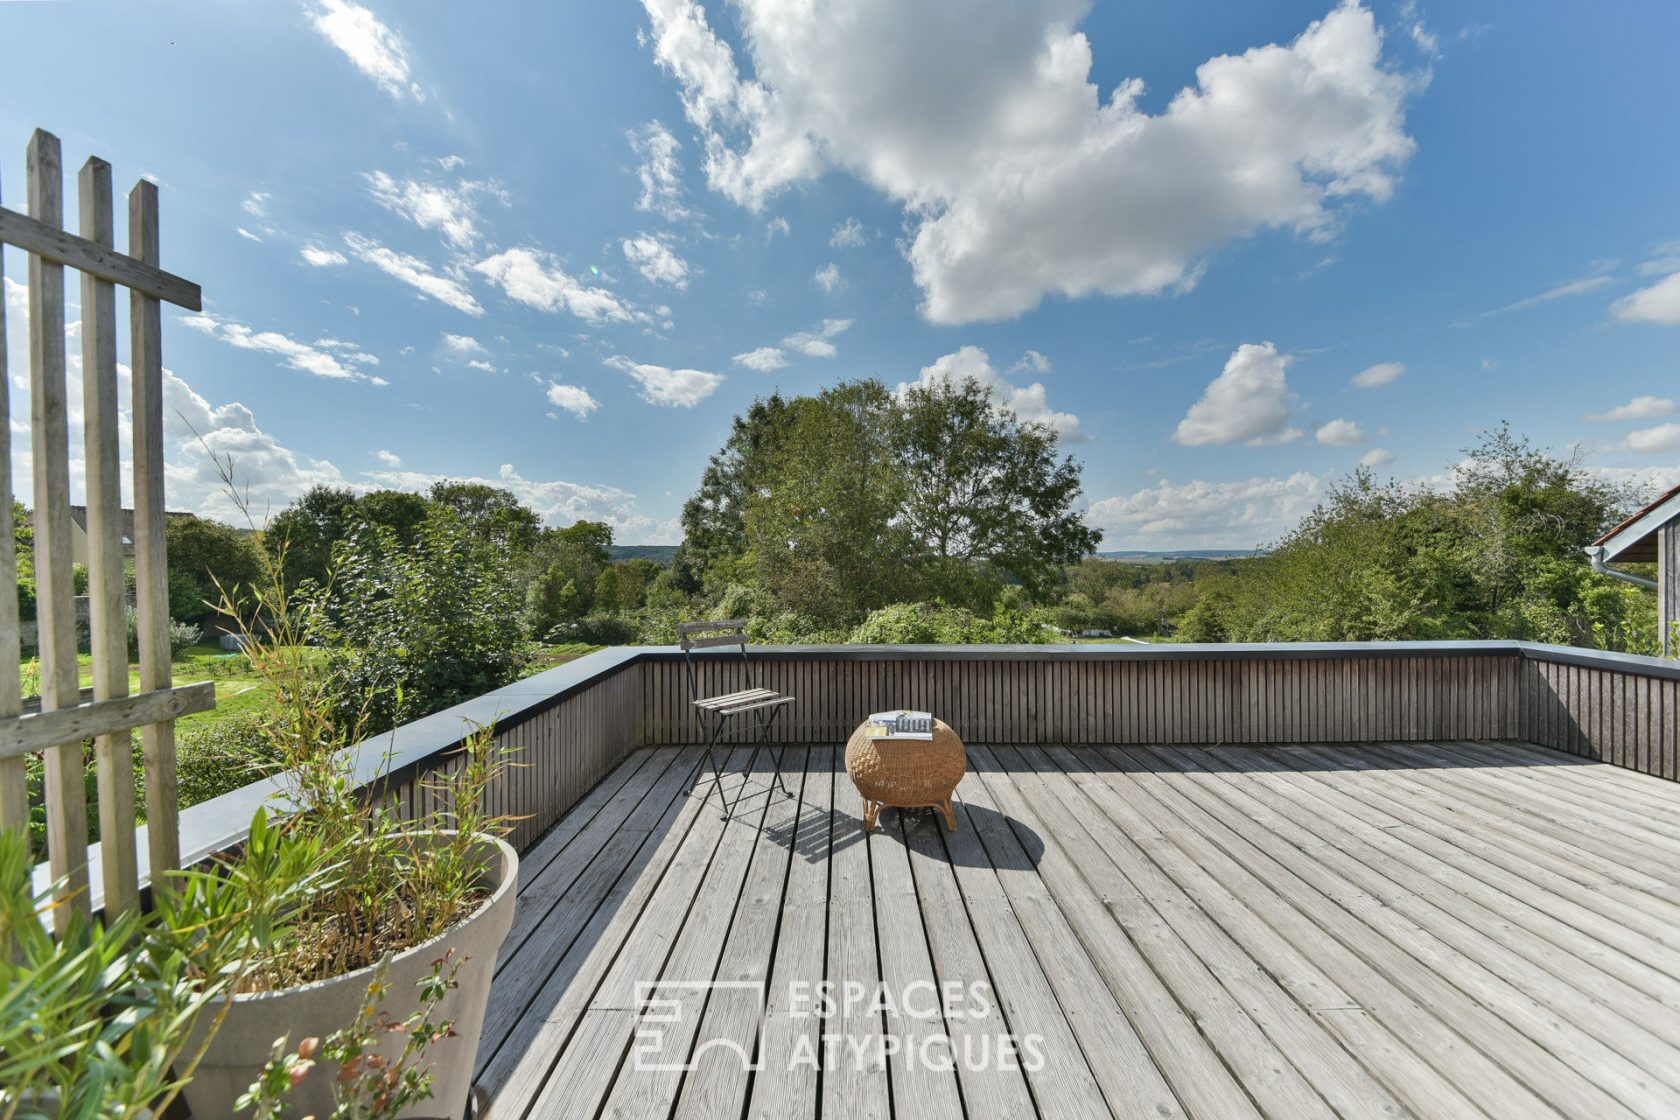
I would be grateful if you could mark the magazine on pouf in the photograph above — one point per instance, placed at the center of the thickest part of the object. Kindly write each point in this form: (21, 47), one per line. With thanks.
(899, 724)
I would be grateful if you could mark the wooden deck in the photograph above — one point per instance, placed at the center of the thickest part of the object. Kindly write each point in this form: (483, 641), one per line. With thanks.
(1410, 929)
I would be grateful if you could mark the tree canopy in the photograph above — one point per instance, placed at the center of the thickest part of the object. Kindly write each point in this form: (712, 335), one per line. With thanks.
(838, 504)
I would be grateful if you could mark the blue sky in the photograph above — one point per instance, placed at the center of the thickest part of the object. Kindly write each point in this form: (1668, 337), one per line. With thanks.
(560, 246)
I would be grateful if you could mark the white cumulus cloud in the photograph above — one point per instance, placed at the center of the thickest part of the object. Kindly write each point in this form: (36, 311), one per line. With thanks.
(463, 344)
(316, 359)
(414, 272)
(1659, 304)
(816, 343)
(371, 46)
(322, 258)
(1199, 514)
(1663, 438)
(1249, 402)
(849, 234)
(653, 258)
(451, 210)
(828, 277)
(1380, 374)
(765, 359)
(389, 458)
(573, 398)
(675, 388)
(1376, 457)
(1340, 433)
(1639, 408)
(659, 171)
(1019, 177)
(1029, 402)
(535, 278)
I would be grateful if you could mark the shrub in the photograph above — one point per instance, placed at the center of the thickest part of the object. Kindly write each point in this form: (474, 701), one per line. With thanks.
(596, 630)
(935, 624)
(412, 629)
(220, 755)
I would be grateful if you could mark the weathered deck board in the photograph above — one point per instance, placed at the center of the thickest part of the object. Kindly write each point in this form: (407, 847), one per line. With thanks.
(1426, 929)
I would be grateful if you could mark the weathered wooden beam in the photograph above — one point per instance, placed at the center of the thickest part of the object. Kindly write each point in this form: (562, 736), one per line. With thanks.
(23, 735)
(151, 571)
(66, 796)
(35, 236)
(14, 790)
(107, 608)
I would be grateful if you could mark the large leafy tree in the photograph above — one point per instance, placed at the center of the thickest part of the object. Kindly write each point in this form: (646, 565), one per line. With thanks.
(844, 502)
(982, 487)
(303, 534)
(208, 559)
(823, 518)
(490, 511)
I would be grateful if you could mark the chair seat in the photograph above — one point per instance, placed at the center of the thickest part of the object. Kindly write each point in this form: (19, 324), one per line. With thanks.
(745, 701)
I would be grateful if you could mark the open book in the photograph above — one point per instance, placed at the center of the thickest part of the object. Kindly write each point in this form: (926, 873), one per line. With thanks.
(899, 724)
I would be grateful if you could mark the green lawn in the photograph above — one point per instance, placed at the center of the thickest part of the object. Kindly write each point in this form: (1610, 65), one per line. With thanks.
(239, 689)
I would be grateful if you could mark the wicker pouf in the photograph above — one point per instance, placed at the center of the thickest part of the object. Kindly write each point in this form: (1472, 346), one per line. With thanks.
(907, 773)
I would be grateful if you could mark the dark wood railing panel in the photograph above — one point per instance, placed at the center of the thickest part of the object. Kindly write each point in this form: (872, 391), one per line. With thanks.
(558, 753)
(1088, 700)
(1624, 711)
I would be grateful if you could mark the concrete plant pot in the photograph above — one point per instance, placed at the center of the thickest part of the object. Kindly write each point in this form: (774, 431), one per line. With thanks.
(244, 1044)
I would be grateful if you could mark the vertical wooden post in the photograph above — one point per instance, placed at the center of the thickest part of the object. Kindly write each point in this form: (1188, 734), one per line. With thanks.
(14, 792)
(55, 604)
(108, 616)
(151, 580)
(1668, 584)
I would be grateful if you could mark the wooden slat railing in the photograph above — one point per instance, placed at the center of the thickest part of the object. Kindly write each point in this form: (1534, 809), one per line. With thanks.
(573, 724)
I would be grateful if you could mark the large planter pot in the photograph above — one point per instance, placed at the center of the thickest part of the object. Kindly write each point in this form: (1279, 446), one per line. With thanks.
(245, 1042)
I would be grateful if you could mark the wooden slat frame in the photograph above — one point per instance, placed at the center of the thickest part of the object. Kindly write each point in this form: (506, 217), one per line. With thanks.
(44, 240)
(64, 714)
(66, 798)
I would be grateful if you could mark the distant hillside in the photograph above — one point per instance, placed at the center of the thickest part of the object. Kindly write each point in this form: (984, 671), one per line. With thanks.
(658, 553)
(1141, 556)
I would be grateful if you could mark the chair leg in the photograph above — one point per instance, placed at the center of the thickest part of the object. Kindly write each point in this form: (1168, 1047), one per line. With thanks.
(764, 726)
(717, 774)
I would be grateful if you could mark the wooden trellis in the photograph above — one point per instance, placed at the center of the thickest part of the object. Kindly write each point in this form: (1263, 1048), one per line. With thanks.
(65, 715)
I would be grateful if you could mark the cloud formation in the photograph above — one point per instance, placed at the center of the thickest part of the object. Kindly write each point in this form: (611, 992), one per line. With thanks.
(659, 171)
(1340, 433)
(371, 46)
(1029, 402)
(653, 258)
(1382, 373)
(414, 272)
(535, 278)
(1018, 178)
(317, 359)
(1639, 408)
(572, 398)
(765, 359)
(450, 210)
(1247, 513)
(1658, 304)
(674, 388)
(1249, 402)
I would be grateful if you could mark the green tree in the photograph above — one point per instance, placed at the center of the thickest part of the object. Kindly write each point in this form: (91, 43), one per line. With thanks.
(204, 554)
(824, 525)
(305, 532)
(984, 488)
(398, 510)
(489, 511)
(412, 629)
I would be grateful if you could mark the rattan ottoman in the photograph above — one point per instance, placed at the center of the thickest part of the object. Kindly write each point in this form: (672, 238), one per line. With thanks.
(907, 773)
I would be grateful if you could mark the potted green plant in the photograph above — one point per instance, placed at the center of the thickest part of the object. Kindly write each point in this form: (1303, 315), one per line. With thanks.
(403, 895)
(95, 1022)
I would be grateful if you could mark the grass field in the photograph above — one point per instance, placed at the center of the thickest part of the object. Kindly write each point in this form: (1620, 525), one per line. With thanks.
(238, 688)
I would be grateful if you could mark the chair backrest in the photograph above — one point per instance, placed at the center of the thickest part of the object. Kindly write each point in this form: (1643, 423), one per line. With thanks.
(709, 635)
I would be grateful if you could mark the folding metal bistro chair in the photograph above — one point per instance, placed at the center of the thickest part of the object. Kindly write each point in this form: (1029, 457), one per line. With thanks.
(718, 713)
